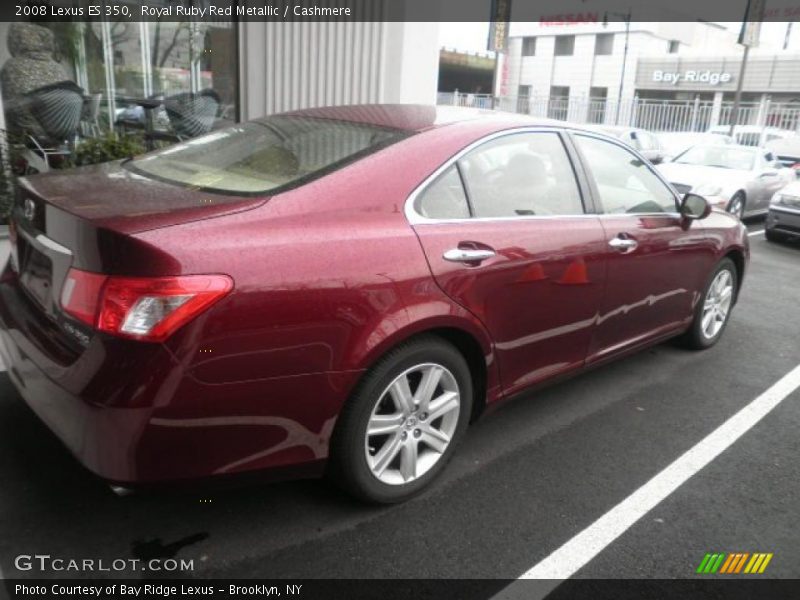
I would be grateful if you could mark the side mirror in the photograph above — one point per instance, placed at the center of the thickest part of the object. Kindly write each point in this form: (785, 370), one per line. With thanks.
(694, 206)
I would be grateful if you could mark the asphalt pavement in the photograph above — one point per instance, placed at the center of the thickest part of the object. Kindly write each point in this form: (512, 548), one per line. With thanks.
(527, 478)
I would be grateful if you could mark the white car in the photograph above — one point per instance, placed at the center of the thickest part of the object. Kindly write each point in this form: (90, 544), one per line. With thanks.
(753, 135)
(676, 142)
(739, 179)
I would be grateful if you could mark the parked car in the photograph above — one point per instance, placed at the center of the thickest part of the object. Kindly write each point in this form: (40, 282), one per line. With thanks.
(676, 142)
(783, 219)
(739, 179)
(787, 151)
(343, 290)
(642, 140)
(752, 135)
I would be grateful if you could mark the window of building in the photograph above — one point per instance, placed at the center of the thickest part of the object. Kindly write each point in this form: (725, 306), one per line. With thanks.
(625, 183)
(597, 104)
(524, 91)
(565, 45)
(444, 198)
(673, 46)
(529, 46)
(603, 44)
(520, 175)
(558, 104)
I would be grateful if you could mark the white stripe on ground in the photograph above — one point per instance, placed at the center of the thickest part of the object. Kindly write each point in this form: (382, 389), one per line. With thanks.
(577, 552)
(752, 233)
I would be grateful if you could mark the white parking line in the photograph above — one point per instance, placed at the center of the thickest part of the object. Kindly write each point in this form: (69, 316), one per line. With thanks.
(582, 548)
(752, 233)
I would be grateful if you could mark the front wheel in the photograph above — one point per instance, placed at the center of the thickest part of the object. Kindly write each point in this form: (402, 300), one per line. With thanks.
(400, 428)
(736, 205)
(713, 311)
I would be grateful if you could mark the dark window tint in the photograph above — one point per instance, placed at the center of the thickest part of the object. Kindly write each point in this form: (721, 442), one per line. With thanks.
(265, 155)
(444, 198)
(625, 182)
(529, 46)
(565, 45)
(521, 175)
(604, 43)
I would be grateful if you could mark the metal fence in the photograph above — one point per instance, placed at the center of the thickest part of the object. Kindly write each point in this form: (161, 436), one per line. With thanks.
(654, 115)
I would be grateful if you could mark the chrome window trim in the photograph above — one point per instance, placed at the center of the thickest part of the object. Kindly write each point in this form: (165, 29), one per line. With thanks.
(414, 218)
(785, 209)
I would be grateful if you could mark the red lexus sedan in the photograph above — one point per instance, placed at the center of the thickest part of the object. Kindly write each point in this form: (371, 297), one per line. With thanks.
(343, 290)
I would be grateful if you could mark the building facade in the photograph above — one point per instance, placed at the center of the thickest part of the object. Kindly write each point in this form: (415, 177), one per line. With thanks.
(584, 72)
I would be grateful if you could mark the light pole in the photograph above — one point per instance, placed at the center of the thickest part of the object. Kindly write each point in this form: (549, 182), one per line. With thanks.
(627, 18)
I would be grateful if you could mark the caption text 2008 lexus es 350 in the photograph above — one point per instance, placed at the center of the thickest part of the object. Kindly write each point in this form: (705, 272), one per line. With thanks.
(342, 290)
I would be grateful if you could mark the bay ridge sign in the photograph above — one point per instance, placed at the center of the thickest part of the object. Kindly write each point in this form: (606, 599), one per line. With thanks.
(692, 76)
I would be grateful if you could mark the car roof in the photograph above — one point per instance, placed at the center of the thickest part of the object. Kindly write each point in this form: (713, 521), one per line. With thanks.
(790, 145)
(422, 117)
(729, 147)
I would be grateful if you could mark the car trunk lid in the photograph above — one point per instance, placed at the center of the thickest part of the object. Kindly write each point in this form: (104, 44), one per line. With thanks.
(87, 219)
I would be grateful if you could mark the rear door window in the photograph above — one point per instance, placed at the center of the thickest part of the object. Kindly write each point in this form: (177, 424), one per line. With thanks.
(521, 174)
(444, 198)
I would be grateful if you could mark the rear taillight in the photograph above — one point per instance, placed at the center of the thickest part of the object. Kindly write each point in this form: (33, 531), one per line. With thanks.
(148, 309)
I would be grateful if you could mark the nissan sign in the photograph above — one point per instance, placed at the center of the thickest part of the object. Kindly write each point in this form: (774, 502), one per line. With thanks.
(691, 76)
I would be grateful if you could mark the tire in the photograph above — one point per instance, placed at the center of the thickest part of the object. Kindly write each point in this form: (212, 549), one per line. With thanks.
(360, 464)
(774, 236)
(737, 205)
(701, 335)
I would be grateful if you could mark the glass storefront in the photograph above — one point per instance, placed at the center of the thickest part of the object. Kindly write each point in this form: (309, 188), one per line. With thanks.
(63, 83)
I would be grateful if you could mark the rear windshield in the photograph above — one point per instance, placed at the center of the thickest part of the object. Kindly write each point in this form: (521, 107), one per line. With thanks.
(267, 155)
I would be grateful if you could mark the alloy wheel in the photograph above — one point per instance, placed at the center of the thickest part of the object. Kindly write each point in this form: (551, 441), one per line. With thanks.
(412, 424)
(736, 206)
(717, 304)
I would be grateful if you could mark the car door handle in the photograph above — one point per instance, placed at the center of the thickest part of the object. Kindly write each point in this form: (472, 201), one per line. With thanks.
(465, 255)
(623, 244)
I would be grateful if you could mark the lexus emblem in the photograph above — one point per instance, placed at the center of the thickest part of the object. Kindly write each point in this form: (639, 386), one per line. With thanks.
(29, 209)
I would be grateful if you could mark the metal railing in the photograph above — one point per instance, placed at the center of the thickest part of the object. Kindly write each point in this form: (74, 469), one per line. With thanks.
(654, 115)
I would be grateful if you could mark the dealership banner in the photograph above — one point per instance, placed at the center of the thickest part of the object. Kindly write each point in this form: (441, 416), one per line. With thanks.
(711, 585)
(542, 11)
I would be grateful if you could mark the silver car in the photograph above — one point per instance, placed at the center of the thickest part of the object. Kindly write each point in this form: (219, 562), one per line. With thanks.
(783, 219)
(642, 140)
(740, 179)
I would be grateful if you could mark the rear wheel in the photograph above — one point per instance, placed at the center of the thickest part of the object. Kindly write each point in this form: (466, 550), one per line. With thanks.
(713, 311)
(736, 205)
(400, 428)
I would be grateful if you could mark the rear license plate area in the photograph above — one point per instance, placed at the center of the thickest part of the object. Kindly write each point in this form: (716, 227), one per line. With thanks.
(35, 272)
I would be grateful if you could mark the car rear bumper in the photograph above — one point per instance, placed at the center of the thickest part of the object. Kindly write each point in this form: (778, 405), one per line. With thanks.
(783, 220)
(130, 413)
